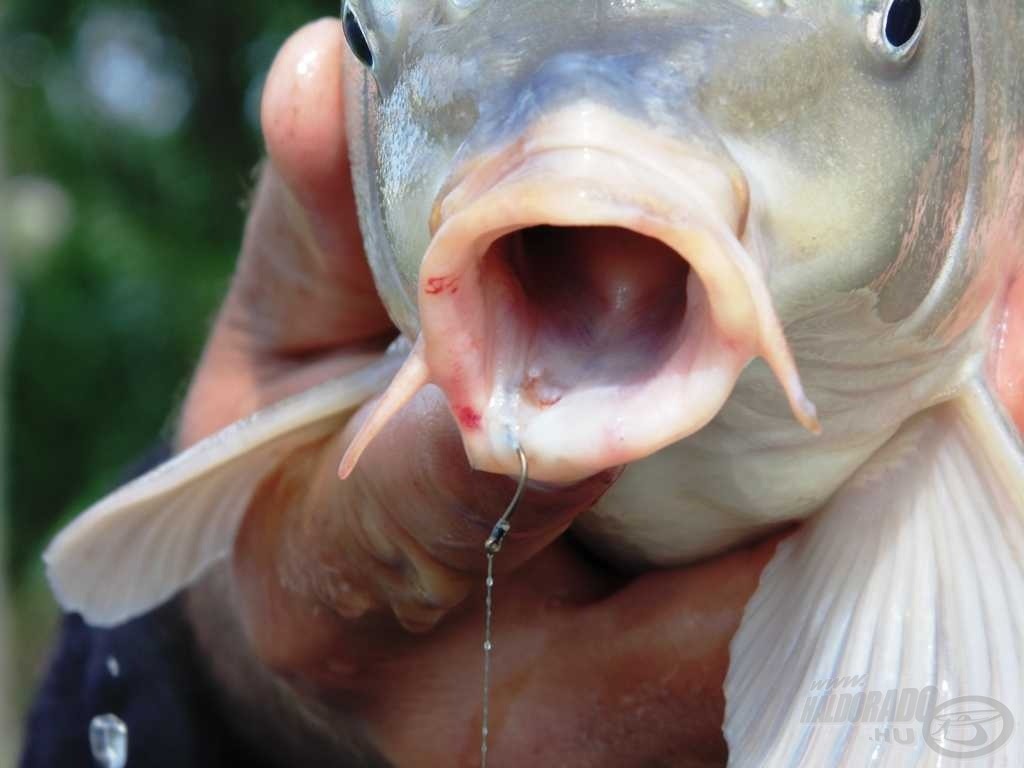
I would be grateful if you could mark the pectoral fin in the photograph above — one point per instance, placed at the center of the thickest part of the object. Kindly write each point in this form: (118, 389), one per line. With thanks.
(910, 579)
(137, 547)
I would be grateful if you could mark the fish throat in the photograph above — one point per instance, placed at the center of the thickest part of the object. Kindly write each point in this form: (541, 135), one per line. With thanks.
(573, 308)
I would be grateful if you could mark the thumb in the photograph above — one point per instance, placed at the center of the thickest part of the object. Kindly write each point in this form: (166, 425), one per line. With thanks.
(417, 472)
(303, 284)
(403, 535)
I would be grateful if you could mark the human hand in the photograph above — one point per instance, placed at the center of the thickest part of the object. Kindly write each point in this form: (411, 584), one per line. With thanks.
(365, 595)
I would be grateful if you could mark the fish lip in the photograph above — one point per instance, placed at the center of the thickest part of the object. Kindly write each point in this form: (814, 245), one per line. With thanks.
(569, 171)
(481, 173)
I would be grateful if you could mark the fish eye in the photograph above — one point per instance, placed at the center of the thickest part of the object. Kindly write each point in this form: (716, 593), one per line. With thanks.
(894, 30)
(356, 38)
(902, 21)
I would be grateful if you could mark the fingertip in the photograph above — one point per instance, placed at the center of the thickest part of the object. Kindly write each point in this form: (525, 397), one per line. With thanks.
(303, 112)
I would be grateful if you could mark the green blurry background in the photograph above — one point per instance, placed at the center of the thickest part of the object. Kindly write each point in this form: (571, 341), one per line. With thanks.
(128, 135)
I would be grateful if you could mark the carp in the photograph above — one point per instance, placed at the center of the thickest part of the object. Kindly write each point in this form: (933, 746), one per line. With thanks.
(761, 252)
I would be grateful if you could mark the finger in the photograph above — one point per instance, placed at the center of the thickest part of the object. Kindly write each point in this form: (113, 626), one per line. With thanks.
(303, 115)
(416, 471)
(647, 660)
(320, 562)
(303, 284)
(420, 515)
(302, 304)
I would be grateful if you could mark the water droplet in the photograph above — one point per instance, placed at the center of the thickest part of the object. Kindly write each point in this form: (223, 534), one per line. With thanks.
(488, 646)
(876, 755)
(108, 739)
(113, 667)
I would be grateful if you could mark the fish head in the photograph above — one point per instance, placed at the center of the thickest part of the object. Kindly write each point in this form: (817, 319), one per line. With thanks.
(594, 214)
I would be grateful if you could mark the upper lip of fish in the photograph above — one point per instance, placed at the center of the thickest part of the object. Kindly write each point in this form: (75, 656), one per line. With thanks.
(486, 172)
(552, 177)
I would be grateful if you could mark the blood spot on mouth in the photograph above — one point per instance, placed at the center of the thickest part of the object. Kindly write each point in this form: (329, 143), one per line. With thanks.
(468, 417)
(444, 284)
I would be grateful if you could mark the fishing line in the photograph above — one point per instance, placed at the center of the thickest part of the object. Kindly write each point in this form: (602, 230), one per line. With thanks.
(492, 547)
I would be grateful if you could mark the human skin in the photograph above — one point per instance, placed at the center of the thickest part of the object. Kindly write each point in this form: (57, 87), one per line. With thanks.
(350, 618)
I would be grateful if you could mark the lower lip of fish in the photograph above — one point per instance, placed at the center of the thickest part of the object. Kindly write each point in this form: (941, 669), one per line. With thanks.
(577, 304)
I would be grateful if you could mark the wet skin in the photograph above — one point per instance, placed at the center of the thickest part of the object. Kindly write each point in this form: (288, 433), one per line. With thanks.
(362, 600)
(324, 607)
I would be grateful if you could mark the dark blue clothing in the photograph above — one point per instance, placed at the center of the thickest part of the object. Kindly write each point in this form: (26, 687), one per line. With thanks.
(145, 672)
(148, 673)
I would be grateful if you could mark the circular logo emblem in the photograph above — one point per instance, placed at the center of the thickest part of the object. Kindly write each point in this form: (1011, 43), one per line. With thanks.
(968, 726)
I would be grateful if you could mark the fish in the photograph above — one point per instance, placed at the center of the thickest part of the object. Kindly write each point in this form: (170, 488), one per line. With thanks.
(764, 253)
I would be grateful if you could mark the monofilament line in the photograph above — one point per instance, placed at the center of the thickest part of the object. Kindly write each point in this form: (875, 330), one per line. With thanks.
(488, 613)
(492, 547)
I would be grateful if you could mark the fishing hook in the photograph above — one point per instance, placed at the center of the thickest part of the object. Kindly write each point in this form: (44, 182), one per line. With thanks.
(504, 524)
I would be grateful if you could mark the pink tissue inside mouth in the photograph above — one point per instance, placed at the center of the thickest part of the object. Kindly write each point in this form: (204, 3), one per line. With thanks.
(581, 307)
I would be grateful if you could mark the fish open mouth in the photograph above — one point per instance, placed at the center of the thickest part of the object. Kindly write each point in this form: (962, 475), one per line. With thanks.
(573, 322)
(580, 308)
(588, 305)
